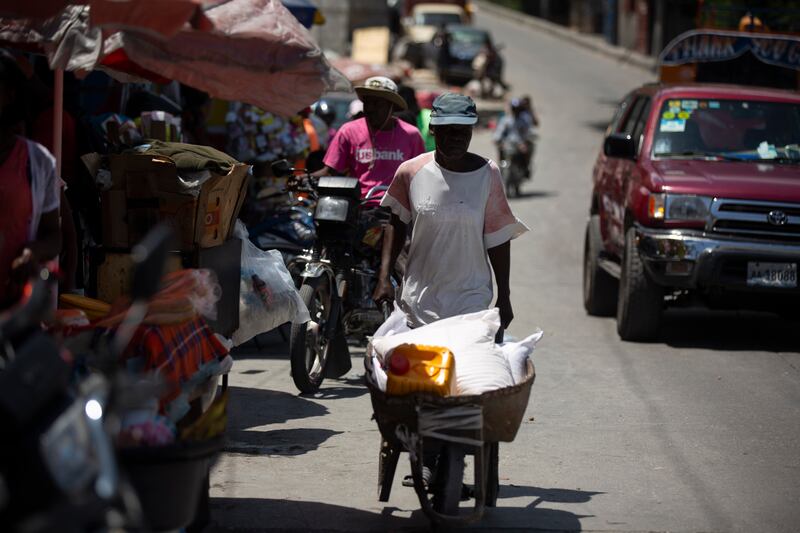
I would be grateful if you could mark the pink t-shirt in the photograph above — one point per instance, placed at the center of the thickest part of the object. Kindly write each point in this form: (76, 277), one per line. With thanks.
(352, 151)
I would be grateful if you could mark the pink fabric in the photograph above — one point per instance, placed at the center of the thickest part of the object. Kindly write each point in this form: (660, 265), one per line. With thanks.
(138, 15)
(15, 213)
(401, 183)
(258, 53)
(351, 152)
(498, 212)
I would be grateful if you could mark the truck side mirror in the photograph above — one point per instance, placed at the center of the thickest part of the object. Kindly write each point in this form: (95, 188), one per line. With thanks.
(620, 145)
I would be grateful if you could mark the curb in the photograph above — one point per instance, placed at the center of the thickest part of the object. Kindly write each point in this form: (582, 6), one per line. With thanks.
(590, 42)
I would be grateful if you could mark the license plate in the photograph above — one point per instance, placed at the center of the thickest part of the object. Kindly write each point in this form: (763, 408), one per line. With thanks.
(777, 275)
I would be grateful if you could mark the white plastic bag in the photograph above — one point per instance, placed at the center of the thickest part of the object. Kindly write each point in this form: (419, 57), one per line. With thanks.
(267, 296)
(518, 354)
(396, 323)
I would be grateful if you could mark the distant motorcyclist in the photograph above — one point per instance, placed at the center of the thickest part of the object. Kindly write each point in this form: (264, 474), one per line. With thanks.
(487, 68)
(325, 111)
(514, 135)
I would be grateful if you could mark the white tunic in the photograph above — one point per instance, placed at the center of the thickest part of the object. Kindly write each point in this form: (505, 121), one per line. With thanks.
(456, 217)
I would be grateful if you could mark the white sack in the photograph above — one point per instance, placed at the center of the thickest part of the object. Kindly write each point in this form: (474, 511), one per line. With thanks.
(518, 353)
(480, 365)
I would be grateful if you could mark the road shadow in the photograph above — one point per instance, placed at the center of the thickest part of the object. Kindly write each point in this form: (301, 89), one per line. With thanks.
(255, 514)
(346, 387)
(251, 407)
(597, 125)
(526, 195)
(286, 442)
(612, 102)
(546, 494)
(729, 331)
(273, 344)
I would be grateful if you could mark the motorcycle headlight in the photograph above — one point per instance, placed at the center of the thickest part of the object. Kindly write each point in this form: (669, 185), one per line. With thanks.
(679, 207)
(332, 209)
(68, 450)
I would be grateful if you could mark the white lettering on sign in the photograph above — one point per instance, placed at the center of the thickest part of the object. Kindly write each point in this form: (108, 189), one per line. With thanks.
(364, 155)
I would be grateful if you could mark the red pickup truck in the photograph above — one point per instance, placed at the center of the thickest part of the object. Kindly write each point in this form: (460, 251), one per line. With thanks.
(696, 199)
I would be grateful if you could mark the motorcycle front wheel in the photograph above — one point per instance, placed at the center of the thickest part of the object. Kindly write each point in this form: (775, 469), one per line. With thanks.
(308, 347)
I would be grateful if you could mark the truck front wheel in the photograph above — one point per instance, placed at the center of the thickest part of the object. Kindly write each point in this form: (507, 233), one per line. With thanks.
(599, 288)
(641, 301)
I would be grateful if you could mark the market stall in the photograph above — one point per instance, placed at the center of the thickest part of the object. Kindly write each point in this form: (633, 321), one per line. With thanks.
(250, 51)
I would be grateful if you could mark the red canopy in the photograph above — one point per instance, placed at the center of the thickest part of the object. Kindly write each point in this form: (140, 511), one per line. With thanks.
(255, 52)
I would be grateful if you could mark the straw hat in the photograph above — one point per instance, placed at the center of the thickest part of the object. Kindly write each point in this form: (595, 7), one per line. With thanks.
(382, 87)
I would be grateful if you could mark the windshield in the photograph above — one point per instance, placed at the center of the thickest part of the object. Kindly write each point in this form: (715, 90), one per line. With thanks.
(437, 19)
(728, 129)
(468, 37)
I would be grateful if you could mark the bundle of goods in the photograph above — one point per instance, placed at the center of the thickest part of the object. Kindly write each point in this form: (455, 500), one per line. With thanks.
(173, 347)
(196, 190)
(257, 135)
(456, 356)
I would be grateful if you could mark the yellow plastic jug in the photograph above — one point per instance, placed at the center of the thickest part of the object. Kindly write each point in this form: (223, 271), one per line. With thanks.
(419, 368)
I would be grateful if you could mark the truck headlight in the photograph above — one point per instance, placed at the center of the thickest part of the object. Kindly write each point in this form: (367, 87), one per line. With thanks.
(679, 207)
(687, 207)
(332, 209)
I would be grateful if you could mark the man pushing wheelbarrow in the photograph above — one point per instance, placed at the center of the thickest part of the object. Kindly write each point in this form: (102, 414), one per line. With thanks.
(440, 386)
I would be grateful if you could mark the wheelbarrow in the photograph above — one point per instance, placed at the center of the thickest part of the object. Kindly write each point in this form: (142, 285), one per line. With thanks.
(452, 427)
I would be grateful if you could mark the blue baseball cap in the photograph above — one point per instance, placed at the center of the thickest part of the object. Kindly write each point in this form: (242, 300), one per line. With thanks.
(453, 108)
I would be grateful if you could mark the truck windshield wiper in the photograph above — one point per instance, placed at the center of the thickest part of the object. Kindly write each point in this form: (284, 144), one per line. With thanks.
(715, 155)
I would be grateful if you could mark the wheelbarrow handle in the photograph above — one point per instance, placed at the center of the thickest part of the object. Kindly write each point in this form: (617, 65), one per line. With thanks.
(386, 308)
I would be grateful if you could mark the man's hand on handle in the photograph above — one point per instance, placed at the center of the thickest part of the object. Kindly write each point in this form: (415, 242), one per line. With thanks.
(384, 292)
(503, 304)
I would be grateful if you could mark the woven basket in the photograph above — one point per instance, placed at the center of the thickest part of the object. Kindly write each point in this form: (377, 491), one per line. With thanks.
(503, 409)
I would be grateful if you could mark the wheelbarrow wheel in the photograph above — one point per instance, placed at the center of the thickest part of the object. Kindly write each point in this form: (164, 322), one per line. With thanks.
(448, 480)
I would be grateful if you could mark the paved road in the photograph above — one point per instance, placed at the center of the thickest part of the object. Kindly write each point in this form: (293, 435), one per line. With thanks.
(696, 432)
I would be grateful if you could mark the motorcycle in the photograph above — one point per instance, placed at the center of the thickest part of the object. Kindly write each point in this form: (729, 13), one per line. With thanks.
(516, 163)
(58, 465)
(338, 275)
(290, 230)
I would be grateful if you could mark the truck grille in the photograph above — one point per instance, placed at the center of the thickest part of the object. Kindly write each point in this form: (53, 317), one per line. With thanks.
(765, 220)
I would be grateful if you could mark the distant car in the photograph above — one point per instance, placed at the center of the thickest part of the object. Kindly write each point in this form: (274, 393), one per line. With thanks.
(423, 24)
(466, 42)
(696, 199)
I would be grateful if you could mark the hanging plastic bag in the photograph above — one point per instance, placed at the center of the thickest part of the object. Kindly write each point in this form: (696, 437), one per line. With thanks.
(267, 296)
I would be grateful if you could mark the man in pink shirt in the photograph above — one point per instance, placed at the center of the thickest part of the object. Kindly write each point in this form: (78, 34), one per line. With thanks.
(373, 147)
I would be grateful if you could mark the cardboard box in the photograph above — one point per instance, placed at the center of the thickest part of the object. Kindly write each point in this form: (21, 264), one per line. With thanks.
(114, 275)
(146, 190)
